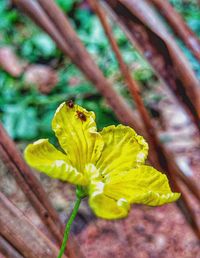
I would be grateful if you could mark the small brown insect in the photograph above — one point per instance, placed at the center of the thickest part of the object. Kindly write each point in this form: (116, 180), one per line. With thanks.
(81, 115)
(70, 103)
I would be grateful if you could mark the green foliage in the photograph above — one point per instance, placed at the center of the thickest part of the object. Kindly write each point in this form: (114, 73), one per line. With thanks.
(191, 13)
(20, 121)
(8, 17)
(68, 5)
(41, 45)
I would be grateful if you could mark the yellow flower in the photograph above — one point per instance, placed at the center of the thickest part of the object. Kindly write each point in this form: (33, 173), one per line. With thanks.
(109, 164)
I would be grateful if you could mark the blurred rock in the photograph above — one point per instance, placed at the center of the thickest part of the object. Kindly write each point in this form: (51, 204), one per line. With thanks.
(44, 77)
(58, 202)
(10, 62)
(160, 242)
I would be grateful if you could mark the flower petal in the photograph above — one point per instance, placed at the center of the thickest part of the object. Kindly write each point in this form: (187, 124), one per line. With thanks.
(44, 157)
(76, 131)
(104, 206)
(144, 185)
(123, 149)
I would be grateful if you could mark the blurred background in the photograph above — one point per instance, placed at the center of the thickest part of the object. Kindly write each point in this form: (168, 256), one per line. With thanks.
(35, 77)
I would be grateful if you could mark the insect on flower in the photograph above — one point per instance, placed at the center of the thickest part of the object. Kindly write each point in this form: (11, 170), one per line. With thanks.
(70, 103)
(81, 115)
(109, 164)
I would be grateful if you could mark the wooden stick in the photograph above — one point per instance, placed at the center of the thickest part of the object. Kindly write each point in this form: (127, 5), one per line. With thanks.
(33, 191)
(16, 158)
(16, 228)
(179, 26)
(8, 250)
(44, 215)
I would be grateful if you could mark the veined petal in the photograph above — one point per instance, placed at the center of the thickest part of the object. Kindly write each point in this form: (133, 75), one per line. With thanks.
(44, 157)
(104, 206)
(76, 131)
(144, 185)
(123, 149)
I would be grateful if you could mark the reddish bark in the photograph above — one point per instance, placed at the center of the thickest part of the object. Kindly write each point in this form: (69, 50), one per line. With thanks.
(16, 228)
(179, 26)
(32, 189)
(8, 250)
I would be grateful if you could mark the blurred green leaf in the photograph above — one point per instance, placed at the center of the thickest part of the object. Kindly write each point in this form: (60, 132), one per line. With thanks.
(67, 5)
(20, 122)
(39, 45)
(44, 44)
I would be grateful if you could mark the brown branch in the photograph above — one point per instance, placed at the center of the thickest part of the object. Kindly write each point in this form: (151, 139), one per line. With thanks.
(44, 215)
(8, 250)
(33, 190)
(149, 35)
(14, 158)
(26, 238)
(2, 256)
(179, 26)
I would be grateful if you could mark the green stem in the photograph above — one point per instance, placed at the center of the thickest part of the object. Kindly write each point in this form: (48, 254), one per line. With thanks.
(68, 226)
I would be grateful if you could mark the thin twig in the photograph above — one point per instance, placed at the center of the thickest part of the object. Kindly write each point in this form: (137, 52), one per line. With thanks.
(17, 229)
(32, 189)
(44, 215)
(8, 250)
